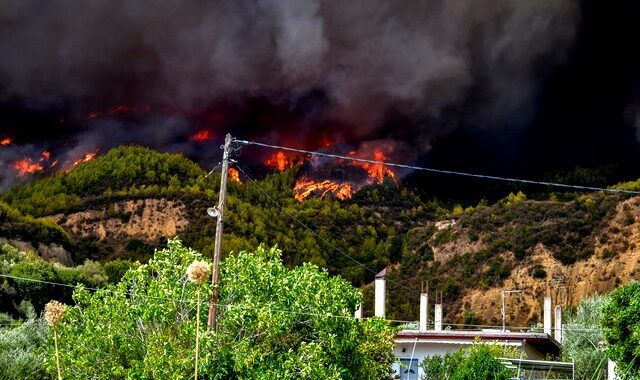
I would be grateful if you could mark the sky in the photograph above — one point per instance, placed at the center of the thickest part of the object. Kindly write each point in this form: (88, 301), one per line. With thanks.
(507, 87)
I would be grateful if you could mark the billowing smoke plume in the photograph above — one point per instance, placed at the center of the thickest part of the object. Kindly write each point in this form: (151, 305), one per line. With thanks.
(354, 70)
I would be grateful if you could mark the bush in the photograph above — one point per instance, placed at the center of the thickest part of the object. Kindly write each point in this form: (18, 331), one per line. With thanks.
(476, 362)
(539, 273)
(21, 351)
(278, 323)
(621, 326)
(582, 337)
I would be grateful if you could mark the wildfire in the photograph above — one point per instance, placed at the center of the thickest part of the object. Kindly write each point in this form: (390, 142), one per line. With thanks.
(26, 166)
(87, 157)
(6, 141)
(279, 161)
(234, 175)
(45, 156)
(202, 136)
(306, 187)
(377, 172)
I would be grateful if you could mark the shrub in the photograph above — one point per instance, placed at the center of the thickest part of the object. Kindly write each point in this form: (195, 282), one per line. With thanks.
(539, 273)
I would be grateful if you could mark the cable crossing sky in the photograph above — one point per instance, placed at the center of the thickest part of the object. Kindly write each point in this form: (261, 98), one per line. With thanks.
(440, 171)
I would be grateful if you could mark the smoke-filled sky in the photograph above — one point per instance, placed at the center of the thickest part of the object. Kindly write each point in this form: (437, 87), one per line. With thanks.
(497, 86)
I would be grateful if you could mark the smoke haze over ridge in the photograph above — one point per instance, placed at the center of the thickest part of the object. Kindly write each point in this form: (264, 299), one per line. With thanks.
(407, 71)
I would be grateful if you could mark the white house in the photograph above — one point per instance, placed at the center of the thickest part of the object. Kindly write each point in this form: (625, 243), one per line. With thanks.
(412, 346)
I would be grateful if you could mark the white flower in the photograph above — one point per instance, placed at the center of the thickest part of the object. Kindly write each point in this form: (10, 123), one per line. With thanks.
(198, 272)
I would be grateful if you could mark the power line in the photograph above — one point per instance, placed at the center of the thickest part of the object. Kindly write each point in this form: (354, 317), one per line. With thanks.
(315, 233)
(440, 171)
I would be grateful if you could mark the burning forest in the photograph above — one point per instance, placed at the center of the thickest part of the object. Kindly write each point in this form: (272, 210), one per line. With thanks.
(299, 74)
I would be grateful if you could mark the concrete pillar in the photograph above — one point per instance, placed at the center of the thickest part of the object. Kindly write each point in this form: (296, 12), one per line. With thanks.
(424, 306)
(438, 317)
(557, 333)
(548, 328)
(611, 371)
(380, 290)
(358, 313)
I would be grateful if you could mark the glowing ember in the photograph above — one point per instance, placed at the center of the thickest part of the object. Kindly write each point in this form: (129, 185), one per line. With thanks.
(26, 166)
(306, 187)
(6, 141)
(202, 136)
(279, 161)
(45, 156)
(377, 172)
(234, 175)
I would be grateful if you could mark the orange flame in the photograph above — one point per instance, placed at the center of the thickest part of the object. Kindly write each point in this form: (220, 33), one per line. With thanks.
(45, 156)
(7, 141)
(86, 158)
(202, 136)
(306, 187)
(377, 172)
(26, 166)
(279, 161)
(234, 175)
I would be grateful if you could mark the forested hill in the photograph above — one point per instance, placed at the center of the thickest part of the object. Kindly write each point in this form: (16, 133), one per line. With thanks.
(128, 201)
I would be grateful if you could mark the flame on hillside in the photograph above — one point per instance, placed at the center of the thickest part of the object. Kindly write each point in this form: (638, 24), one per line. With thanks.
(375, 173)
(234, 175)
(26, 166)
(6, 141)
(46, 155)
(86, 158)
(306, 187)
(279, 161)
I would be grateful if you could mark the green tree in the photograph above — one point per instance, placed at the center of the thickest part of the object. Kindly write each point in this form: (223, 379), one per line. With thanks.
(621, 327)
(273, 323)
(479, 361)
(582, 338)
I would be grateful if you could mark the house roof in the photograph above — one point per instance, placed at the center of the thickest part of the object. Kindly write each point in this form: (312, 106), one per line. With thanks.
(542, 342)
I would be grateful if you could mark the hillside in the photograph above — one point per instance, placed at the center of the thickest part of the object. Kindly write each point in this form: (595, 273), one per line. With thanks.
(125, 203)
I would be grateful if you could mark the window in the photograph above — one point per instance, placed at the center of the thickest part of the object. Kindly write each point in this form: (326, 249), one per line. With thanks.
(409, 369)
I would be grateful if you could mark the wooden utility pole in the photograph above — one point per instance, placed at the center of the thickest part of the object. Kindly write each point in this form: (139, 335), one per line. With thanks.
(211, 322)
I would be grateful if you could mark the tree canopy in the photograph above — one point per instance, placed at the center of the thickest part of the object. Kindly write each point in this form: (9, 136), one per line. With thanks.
(274, 323)
(621, 326)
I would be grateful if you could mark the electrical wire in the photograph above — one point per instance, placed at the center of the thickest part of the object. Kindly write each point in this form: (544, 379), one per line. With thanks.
(440, 171)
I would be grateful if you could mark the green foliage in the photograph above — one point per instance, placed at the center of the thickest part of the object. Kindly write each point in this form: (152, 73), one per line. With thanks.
(13, 224)
(476, 362)
(116, 269)
(130, 170)
(21, 351)
(278, 323)
(567, 228)
(582, 339)
(621, 326)
(539, 273)
(34, 277)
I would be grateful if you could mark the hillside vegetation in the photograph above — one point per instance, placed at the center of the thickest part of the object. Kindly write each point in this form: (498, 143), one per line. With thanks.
(456, 250)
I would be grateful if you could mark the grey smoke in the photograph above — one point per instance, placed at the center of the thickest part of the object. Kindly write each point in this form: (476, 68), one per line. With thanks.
(478, 59)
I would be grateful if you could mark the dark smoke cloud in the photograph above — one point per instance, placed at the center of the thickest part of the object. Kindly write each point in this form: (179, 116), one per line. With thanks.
(436, 64)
